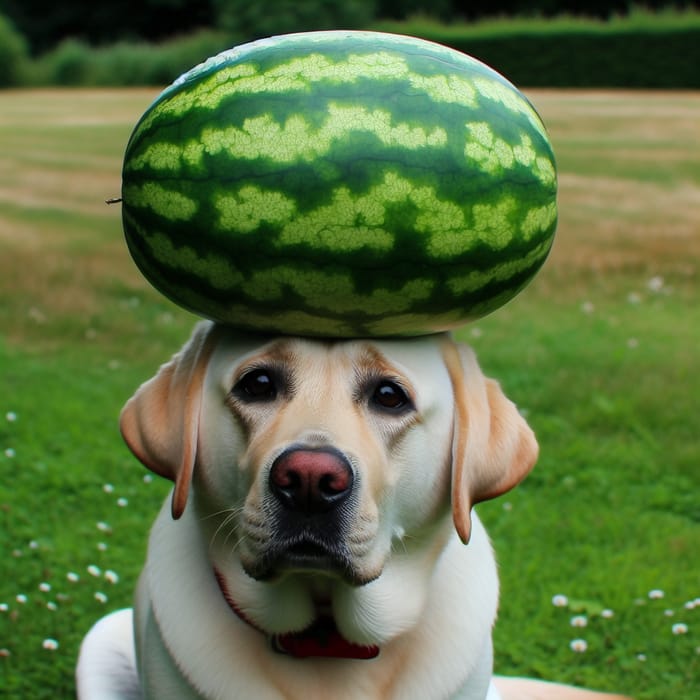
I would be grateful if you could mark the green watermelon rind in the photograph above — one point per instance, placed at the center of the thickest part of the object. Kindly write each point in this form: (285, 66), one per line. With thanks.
(340, 183)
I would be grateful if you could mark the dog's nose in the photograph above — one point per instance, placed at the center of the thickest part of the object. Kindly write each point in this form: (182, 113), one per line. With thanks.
(311, 481)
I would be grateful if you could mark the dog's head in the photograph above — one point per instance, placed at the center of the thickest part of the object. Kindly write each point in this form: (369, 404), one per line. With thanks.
(320, 455)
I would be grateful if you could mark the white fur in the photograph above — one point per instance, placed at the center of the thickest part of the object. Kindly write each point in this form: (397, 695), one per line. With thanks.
(107, 665)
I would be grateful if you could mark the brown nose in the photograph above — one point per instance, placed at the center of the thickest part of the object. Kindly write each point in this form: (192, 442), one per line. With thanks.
(311, 481)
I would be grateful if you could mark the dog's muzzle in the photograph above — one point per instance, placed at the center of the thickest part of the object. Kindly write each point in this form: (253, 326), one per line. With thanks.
(311, 502)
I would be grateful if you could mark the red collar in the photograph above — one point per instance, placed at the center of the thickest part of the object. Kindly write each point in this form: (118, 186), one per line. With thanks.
(320, 639)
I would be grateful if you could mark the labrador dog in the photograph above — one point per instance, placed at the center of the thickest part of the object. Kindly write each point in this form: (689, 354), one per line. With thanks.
(320, 542)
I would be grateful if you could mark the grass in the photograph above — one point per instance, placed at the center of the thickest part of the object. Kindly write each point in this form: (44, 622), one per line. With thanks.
(600, 351)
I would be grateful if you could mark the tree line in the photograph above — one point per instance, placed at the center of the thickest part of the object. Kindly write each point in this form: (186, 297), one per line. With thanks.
(45, 23)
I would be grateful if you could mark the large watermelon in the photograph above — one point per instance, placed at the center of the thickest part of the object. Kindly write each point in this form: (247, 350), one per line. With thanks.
(340, 184)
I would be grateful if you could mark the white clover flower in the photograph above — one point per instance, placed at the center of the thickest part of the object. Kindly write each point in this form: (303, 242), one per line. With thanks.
(691, 605)
(656, 594)
(36, 315)
(122, 502)
(679, 628)
(587, 307)
(101, 597)
(560, 601)
(148, 478)
(108, 488)
(94, 570)
(669, 613)
(10, 453)
(579, 621)
(633, 298)
(102, 546)
(50, 644)
(10, 416)
(655, 284)
(33, 544)
(73, 577)
(4, 653)
(4, 607)
(52, 606)
(21, 598)
(44, 587)
(578, 645)
(641, 657)
(104, 527)
(111, 576)
(607, 613)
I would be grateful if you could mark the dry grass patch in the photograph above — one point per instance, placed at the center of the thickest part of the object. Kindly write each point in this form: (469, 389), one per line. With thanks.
(608, 223)
(629, 182)
(63, 149)
(74, 107)
(61, 249)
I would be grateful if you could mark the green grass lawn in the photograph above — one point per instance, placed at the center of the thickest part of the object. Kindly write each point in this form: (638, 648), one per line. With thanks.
(601, 351)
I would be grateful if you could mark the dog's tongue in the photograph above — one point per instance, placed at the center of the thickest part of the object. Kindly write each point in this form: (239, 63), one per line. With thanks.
(321, 639)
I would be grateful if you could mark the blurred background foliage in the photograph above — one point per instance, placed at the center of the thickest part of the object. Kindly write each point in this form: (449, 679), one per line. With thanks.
(46, 23)
(552, 43)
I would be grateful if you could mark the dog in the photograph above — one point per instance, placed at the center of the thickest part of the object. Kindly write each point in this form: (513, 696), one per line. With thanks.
(320, 540)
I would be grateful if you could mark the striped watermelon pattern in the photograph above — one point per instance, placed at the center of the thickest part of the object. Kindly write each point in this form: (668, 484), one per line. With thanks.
(340, 184)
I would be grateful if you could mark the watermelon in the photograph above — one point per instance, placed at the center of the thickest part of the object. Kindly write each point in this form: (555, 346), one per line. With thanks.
(340, 184)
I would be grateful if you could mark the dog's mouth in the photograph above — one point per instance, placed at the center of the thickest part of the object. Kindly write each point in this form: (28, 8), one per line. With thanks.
(305, 554)
(309, 552)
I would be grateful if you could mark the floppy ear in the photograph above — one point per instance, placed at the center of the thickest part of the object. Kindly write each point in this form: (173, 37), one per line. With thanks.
(493, 448)
(160, 422)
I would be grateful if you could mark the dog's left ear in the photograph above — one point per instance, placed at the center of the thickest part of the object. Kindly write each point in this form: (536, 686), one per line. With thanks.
(160, 422)
(493, 448)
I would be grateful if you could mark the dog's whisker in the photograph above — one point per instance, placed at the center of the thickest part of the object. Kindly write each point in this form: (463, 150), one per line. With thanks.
(228, 523)
(218, 513)
(399, 544)
(238, 543)
(232, 532)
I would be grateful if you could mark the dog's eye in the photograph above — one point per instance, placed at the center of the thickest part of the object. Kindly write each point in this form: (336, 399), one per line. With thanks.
(256, 385)
(389, 395)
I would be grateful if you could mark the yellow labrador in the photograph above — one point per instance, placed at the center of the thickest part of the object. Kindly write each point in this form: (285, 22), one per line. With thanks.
(320, 541)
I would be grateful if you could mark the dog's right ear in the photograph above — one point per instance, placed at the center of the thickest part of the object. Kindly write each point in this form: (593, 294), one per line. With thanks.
(493, 447)
(160, 422)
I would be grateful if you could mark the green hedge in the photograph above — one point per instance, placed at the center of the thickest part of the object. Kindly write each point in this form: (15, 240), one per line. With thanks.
(580, 58)
(644, 50)
(76, 63)
(13, 55)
